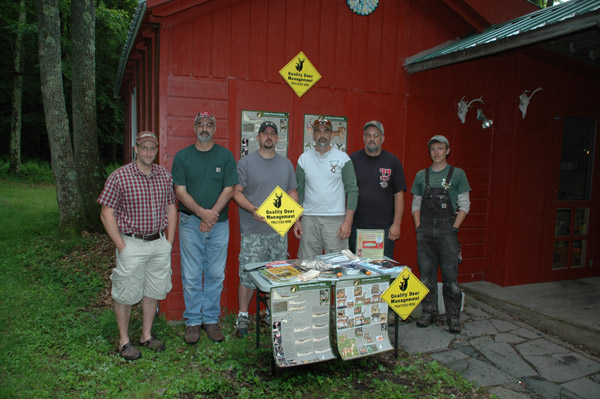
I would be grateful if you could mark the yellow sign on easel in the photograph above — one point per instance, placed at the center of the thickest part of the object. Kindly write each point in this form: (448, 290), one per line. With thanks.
(405, 294)
(300, 74)
(280, 211)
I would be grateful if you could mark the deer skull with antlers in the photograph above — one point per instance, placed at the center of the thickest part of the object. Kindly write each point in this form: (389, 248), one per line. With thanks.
(524, 100)
(464, 106)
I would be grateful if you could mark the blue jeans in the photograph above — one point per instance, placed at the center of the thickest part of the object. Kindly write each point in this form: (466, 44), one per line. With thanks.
(203, 258)
(388, 245)
(437, 244)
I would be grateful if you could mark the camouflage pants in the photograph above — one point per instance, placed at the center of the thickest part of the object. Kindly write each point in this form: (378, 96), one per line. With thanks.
(260, 248)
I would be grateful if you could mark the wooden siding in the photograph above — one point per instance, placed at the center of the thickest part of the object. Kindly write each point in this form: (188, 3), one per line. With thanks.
(225, 56)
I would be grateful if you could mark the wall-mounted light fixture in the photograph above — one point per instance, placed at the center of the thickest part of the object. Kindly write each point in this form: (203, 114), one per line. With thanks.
(485, 121)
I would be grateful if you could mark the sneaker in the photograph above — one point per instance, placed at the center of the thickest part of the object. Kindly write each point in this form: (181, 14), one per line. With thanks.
(241, 326)
(214, 332)
(454, 326)
(129, 352)
(425, 320)
(154, 344)
(192, 335)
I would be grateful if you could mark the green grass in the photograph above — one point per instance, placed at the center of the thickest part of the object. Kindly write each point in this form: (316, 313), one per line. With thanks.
(58, 339)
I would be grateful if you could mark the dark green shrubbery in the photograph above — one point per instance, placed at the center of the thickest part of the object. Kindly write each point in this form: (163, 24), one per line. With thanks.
(31, 172)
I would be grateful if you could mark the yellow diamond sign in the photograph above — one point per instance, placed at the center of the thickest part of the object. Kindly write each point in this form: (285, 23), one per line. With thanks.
(300, 74)
(405, 293)
(280, 211)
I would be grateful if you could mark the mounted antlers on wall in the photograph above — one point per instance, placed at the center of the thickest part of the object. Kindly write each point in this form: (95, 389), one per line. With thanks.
(464, 106)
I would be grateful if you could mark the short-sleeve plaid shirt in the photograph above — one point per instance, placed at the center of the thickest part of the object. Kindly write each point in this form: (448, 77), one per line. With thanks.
(140, 201)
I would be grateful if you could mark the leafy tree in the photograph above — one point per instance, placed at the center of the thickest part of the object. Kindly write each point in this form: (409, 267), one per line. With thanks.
(77, 90)
(15, 119)
(113, 19)
(34, 141)
(55, 112)
(83, 94)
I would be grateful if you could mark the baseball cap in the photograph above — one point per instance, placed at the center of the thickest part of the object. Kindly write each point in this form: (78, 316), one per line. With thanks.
(204, 114)
(376, 124)
(439, 139)
(144, 136)
(322, 121)
(265, 125)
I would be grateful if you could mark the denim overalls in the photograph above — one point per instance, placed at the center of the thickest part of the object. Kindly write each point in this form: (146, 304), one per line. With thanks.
(437, 244)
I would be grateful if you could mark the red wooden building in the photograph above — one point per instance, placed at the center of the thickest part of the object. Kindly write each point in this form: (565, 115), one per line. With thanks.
(535, 214)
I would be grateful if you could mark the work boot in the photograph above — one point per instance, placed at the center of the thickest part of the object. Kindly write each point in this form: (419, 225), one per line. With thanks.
(425, 319)
(192, 335)
(454, 326)
(241, 326)
(214, 332)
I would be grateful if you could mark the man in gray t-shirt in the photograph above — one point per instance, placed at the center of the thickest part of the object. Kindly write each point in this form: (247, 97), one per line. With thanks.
(259, 173)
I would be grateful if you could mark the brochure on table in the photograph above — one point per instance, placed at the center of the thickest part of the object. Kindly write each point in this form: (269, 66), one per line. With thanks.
(300, 323)
(369, 243)
(361, 316)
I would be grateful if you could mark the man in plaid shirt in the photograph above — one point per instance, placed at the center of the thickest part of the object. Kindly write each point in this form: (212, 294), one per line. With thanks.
(140, 216)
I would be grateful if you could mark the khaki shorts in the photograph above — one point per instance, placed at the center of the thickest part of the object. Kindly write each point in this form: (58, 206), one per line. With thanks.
(260, 248)
(143, 270)
(319, 233)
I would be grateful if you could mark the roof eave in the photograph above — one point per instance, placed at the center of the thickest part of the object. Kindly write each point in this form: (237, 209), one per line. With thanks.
(129, 43)
(537, 36)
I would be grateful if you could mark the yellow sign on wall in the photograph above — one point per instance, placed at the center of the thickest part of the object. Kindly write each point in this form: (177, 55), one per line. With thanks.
(300, 74)
(280, 211)
(405, 293)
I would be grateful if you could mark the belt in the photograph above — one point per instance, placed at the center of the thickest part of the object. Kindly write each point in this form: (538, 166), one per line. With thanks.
(145, 237)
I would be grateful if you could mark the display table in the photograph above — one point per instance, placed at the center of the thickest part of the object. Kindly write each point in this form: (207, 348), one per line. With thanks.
(361, 315)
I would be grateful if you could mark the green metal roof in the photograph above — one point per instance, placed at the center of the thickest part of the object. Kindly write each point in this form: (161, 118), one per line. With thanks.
(542, 26)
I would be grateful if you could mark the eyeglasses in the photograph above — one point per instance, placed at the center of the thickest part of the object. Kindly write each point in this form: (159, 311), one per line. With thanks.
(373, 136)
(205, 124)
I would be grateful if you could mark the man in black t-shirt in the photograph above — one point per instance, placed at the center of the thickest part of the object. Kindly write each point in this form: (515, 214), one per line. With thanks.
(381, 186)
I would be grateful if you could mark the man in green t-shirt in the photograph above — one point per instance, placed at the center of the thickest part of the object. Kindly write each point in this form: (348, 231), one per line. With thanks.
(204, 175)
(440, 205)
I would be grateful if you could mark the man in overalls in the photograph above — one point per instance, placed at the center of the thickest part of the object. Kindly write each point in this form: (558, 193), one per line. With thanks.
(440, 205)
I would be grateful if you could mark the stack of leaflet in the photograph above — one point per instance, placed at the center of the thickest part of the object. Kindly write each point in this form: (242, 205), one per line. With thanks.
(341, 263)
(281, 271)
(382, 266)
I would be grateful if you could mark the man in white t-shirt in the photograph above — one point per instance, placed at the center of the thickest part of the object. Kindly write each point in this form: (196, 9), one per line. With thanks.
(328, 192)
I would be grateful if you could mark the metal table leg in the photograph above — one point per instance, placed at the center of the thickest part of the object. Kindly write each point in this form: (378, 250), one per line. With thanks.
(396, 333)
(257, 318)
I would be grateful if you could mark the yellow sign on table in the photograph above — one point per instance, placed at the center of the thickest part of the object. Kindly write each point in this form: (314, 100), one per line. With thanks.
(280, 211)
(405, 293)
(300, 74)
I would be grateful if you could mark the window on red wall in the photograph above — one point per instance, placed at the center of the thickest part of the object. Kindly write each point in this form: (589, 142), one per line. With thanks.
(574, 194)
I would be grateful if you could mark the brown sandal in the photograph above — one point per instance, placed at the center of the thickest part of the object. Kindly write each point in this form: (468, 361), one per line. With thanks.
(129, 351)
(154, 344)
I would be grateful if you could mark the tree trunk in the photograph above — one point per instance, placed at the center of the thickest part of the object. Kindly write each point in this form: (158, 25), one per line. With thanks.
(55, 113)
(17, 106)
(85, 135)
